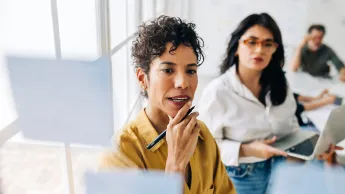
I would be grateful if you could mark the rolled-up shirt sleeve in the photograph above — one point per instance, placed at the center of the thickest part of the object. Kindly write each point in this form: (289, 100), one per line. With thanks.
(336, 61)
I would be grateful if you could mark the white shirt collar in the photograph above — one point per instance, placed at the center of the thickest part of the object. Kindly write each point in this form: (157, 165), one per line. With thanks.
(238, 87)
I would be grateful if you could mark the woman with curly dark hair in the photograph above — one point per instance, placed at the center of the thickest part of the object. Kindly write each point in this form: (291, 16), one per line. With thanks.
(167, 53)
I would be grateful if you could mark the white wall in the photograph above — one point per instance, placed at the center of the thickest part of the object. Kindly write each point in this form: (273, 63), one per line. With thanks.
(216, 19)
(178, 8)
(78, 31)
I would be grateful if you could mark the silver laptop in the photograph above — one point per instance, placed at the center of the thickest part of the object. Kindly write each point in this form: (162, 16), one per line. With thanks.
(306, 144)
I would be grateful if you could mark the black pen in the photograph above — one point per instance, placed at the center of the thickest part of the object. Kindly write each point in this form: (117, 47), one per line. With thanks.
(162, 135)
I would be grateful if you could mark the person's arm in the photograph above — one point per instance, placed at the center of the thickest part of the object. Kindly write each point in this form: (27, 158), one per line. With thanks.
(320, 103)
(181, 138)
(342, 75)
(339, 65)
(336, 61)
(302, 98)
(296, 60)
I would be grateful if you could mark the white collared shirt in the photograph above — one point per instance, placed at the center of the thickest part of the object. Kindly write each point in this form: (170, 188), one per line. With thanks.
(234, 116)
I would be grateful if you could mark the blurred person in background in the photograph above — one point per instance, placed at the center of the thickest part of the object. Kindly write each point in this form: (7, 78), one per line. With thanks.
(313, 56)
(167, 52)
(250, 104)
(307, 103)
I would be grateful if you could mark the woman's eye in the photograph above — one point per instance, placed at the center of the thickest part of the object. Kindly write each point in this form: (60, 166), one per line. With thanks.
(167, 71)
(251, 42)
(269, 44)
(191, 71)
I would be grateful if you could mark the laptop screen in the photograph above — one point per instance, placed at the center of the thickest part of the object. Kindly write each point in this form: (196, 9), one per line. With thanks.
(306, 147)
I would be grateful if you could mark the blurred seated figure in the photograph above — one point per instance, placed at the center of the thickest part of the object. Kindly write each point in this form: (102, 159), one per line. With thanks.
(306, 103)
(313, 56)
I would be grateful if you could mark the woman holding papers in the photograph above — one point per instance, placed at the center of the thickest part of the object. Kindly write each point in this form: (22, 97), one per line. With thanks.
(250, 104)
(167, 53)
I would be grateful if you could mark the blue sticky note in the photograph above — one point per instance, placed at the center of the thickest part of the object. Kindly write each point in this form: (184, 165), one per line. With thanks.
(65, 101)
(133, 182)
(307, 178)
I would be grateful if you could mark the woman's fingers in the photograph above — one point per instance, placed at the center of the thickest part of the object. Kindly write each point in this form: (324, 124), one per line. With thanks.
(192, 123)
(277, 152)
(329, 155)
(181, 113)
(270, 141)
(196, 129)
(183, 124)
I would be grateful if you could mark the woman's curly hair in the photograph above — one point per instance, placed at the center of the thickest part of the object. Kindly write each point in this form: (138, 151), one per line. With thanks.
(151, 40)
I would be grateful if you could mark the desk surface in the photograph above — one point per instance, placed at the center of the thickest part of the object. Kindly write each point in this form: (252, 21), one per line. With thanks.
(306, 84)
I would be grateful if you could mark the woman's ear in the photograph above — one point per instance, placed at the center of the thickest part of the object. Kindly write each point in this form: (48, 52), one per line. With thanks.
(141, 76)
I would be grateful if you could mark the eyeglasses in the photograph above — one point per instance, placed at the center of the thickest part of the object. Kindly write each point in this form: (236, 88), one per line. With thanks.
(317, 38)
(267, 45)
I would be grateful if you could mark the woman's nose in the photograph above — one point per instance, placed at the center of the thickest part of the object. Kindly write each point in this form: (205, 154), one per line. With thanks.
(181, 81)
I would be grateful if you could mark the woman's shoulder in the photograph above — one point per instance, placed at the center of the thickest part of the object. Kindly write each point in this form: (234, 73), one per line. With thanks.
(217, 85)
(124, 154)
(128, 133)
